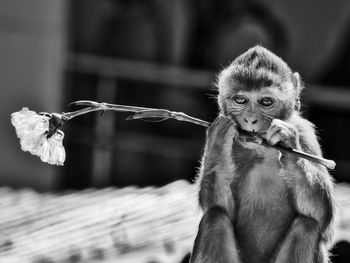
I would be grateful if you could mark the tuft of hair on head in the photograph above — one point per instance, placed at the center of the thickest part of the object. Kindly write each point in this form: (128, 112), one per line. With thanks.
(257, 68)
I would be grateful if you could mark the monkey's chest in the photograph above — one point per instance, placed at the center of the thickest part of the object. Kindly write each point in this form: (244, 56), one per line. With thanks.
(264, 212)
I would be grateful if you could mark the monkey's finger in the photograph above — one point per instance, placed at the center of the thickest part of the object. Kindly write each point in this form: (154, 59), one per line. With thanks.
(224, 124)
(217, 125)
(273, 134)
(219, 119)
(276, 138)
(221, 128)
(278, 126)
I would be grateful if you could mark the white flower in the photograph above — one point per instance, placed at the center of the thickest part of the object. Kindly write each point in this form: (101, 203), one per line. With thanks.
(32, 130)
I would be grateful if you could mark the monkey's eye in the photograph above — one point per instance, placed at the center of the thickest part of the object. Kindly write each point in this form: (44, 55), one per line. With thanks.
(266, 101)
(240, 99)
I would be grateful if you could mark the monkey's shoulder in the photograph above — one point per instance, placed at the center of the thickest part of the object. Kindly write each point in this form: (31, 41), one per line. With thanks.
(307, 134)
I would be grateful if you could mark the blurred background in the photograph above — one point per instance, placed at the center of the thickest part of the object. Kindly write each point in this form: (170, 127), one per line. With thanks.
(161, 54)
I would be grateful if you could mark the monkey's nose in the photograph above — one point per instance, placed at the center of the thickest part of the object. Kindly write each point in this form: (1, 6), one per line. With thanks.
(250, 120)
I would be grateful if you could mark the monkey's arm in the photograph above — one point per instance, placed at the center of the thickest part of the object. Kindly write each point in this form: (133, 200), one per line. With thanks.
(217, 167)
(313, 197)
(313, 193)
(313, 186)
(312, 189)
(215, 241)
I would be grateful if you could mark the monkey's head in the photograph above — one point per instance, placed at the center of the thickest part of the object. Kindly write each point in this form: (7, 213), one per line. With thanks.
(256, 88)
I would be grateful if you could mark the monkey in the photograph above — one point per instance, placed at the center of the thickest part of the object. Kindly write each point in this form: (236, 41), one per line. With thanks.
(258, 204)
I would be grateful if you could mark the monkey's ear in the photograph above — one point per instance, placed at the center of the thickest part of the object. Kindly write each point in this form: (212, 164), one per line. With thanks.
(298, 85)
(297, 82)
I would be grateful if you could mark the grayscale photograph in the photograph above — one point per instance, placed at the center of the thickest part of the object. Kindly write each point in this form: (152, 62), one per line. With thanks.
(174, 131)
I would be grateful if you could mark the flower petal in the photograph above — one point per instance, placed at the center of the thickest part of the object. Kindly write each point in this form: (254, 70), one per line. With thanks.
(58, 155)
(30, 122)
(43, 149)
(57, 151)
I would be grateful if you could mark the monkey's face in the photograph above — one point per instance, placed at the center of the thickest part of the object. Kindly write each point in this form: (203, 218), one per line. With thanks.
(256, 88)
(254, 110)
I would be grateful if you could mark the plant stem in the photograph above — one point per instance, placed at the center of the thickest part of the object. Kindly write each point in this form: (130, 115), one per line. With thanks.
(163, 114)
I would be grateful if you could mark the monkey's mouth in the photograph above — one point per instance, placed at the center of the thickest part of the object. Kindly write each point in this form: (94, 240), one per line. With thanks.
(251, 136)
(252, 132)
(256, 131)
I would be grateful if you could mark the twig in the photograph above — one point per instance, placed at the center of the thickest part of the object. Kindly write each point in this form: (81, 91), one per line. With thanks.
(142, 113)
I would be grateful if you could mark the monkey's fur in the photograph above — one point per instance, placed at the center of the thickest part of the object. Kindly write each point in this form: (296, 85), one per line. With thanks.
(260, 205)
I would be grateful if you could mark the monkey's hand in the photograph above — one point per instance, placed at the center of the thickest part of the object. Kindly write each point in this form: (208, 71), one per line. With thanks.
(284, 133)
(221, 129)
(218, 149)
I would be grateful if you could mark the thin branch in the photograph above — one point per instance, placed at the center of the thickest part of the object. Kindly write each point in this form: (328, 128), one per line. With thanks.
(163, 114)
